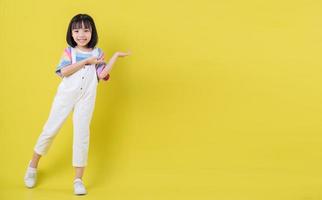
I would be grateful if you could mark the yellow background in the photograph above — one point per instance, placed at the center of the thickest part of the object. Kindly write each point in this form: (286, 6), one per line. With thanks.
(220, 100)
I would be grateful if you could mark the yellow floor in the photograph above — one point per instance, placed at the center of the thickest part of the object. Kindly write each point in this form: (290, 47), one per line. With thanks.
(248, 172)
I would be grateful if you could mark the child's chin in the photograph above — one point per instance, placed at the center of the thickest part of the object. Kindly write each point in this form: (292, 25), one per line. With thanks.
(82, 44)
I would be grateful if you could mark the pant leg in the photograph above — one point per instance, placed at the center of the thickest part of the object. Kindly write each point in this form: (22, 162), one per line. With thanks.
(82, 116)
(61, 107)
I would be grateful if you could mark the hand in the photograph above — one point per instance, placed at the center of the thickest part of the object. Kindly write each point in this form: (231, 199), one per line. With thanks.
(94, 60)
(123, 54)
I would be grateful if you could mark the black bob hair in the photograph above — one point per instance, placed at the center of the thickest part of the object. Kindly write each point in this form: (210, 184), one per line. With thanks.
(77, 22)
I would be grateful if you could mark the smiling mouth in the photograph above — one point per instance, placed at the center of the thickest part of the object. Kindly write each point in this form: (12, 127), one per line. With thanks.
(82, 40)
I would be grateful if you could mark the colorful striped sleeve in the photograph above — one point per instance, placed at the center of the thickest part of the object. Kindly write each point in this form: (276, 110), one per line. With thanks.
(100, 67)
(65, 60)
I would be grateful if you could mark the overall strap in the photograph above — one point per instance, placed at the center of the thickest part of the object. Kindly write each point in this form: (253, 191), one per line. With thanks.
(73, 52)
(95, 52)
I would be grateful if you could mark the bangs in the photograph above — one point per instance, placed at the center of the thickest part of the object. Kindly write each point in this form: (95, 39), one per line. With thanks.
(81, 24)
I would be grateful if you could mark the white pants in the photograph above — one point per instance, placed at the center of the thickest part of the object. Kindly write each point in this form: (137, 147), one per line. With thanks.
(77, 92)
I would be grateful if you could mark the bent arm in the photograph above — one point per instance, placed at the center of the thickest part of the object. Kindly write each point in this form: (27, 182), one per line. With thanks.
(108, 67)
(70, 69)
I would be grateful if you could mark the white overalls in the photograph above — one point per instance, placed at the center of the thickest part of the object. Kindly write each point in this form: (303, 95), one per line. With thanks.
(78, 92)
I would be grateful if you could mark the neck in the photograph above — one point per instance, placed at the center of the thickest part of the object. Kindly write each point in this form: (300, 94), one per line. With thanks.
(83, 48)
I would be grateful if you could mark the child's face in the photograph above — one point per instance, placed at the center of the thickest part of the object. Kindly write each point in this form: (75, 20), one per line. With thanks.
(82, 36)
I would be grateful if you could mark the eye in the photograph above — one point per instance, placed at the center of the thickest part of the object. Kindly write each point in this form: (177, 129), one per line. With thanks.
(75, 31)
(86, 30)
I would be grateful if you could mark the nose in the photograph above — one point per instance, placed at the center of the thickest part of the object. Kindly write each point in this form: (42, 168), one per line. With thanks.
(81, 33)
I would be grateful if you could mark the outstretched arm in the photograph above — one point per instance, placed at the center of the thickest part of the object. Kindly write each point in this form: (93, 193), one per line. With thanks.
(110, 64)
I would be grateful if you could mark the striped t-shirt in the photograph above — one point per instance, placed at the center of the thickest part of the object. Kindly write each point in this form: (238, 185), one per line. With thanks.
(66, 59)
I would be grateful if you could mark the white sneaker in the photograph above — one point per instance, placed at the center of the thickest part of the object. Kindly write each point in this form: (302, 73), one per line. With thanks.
(79, 188)
(30, 176)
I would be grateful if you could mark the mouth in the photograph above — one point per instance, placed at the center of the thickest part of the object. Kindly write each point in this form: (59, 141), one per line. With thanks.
(82, 40)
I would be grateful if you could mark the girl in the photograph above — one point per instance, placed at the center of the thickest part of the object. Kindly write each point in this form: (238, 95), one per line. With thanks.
(81, 68)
